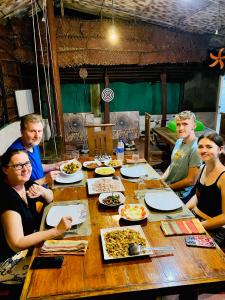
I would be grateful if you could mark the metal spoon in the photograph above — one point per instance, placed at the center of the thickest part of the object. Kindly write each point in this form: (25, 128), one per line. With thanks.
(136, 249)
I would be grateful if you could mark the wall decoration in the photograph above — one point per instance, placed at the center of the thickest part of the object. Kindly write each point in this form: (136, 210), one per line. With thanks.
(217, 59)
(75, 131)
(126, 124)
(107, 95)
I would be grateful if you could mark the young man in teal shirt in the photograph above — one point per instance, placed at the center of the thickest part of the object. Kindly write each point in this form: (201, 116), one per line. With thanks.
(182, 173)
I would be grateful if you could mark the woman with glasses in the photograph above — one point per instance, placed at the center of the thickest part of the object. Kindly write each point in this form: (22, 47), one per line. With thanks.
(19, 219)
(208, 204)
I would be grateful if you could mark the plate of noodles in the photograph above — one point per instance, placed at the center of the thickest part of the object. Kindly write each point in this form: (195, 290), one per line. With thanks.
(116, 240)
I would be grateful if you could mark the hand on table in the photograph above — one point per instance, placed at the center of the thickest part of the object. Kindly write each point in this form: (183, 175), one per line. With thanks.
(64, 224)
(36, 191)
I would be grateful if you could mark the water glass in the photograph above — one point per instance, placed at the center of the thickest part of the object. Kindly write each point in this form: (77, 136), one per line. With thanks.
(142, 182)
(76, 154)
(135, 157)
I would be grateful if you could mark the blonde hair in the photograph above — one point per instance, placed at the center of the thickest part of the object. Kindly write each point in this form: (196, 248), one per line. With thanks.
(32, 118)
(186, 114)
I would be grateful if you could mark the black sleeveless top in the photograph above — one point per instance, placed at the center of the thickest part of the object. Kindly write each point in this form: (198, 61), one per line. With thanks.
(209, 197)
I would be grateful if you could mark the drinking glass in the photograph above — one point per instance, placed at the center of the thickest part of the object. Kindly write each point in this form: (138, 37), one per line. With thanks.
(142, 182)
(76, 154)
(135, 157)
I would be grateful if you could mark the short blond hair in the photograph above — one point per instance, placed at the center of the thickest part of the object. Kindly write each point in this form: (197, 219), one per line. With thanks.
(186, 114)
(32, 118)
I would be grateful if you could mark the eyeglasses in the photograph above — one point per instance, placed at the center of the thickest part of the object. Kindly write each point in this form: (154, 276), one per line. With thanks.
(18, 167)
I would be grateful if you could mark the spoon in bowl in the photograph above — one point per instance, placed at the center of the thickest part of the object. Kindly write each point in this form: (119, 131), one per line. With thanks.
(136, 249)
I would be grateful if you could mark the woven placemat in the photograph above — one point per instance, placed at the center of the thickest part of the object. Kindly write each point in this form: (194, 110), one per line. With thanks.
(57, 185)
(157, 215)
(83, 229)
(150, 172)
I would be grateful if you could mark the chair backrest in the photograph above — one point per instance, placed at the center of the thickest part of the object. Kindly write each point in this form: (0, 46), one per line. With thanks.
(100, 141)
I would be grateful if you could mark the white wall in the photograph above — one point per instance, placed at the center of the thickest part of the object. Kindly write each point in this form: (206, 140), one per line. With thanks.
(8, 135)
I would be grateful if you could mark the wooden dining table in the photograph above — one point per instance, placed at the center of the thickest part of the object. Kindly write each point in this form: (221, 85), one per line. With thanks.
(188, 271)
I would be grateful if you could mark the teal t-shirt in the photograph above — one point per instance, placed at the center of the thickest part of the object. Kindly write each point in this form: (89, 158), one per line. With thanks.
(184, 156)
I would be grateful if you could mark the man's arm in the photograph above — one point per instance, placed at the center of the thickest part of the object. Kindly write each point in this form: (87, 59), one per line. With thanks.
(190, 180)
(166, 173)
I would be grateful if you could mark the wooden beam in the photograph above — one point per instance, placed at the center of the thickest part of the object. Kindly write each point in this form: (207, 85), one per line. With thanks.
(55, 71)
(164, 99)
(106, 104)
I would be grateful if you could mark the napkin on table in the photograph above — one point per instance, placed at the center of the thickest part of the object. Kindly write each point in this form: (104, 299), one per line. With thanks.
(192, 226)
(64, 247)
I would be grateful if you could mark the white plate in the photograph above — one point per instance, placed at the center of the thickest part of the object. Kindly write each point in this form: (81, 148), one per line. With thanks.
(104, 185)
(56, 212)
(134, 171)
(132, 212)
(136, 228)
(86, 163)
(102, 196)
(163, 200)
(61, 178)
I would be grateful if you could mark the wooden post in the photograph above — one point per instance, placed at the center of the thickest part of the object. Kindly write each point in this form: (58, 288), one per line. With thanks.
(106, 104)
(164, 99)
(55, 71)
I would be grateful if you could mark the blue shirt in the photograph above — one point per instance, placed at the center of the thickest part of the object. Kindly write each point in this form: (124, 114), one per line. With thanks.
(35, 158)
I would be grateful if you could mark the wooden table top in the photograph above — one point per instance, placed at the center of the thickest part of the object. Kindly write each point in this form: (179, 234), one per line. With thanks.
(171, 137)
(188, 270)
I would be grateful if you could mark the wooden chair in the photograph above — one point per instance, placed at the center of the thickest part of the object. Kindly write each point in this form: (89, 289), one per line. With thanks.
(153, 155)
(100, 142)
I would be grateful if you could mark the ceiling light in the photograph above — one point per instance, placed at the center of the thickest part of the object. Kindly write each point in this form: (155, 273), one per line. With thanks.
(113, 34)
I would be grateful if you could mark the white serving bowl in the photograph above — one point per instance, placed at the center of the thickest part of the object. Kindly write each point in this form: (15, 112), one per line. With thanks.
(102, 196)
(105, 171)
(69, 164)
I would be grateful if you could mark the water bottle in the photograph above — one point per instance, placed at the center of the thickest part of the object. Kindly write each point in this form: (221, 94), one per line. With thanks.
(120, 150)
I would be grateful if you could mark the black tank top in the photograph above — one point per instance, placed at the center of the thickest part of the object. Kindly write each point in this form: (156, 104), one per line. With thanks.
(209, 197)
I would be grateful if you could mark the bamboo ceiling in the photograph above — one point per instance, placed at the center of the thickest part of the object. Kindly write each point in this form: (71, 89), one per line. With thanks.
(201, 16)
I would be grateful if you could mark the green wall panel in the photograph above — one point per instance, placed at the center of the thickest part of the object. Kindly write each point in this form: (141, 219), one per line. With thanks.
(143, 97)
(76, 98)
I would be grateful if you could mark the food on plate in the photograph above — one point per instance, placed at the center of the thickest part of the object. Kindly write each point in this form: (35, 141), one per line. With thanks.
(104, 171)
(105, 185)
(70, 168)
(91, 165)
(112, 200)
(117, 241)
(133, 212)
(114, 163)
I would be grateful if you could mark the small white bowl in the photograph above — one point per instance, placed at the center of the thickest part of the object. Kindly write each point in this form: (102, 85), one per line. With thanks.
(115, 163)
(102, 196)
(73, 161)
(90, 164)
(105, 171)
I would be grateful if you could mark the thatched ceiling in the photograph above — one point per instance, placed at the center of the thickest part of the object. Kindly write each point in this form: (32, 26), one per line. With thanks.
(199, 16)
